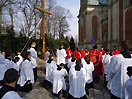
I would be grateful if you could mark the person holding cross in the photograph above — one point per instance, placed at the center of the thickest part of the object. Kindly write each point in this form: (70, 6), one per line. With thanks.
(33, 60)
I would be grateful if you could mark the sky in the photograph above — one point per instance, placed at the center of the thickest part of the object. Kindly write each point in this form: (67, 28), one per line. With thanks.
(73, 6)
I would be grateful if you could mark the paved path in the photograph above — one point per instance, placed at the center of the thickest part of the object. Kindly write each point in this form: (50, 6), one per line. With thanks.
(39, 92)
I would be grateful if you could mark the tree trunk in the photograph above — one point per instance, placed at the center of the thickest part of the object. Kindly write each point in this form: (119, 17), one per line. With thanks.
(11, 15)
(0, 18)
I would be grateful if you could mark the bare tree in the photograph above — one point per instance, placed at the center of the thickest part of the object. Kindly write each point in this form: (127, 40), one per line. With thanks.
(3, 3)
(50, 6)
(56, 24)
(59, 23)
(30, 15)
(6, 6)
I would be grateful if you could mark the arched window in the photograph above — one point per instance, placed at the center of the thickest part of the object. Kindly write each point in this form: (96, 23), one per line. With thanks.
(94, 27)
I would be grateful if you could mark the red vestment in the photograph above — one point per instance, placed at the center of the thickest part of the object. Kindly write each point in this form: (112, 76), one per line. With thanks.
(86, 51)
(68, 52)
(96, 58)
(115, 52)
(77, 54)
(103, 52)
(82, 53)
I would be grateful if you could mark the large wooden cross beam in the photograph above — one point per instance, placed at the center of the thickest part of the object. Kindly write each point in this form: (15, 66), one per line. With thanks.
(43, 22)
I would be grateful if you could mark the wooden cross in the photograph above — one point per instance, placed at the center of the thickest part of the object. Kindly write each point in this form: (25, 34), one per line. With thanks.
(43, 22)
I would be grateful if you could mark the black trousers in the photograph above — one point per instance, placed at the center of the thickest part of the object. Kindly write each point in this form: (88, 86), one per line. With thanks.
(60, 92)
(96, 79)
(66, 67)
(35, 74)
(26, 88)
(114, 97)
(105, 82)
(47, 85)
(57, 95)
(89, 85)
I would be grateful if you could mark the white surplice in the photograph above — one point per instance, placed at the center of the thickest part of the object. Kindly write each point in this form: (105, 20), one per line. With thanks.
(58, 80)
(2, 67)
(20, 60)
(124, 77)
(34, 56)
(50, 67)
(106, 62)
(33, 52)
(33, 62)
(89, 72)
(16, 66)
(117, 75)
(26, 73)
(11, 95)
(71, 64)
(89, 68)
(128, 88)
(114, 63)
(46, 55)
(61, 55)
(9, 64)
(77, 80)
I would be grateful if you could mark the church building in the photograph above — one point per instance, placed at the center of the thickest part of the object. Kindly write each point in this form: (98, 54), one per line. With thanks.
(104, 22)
(120, 21)
(93, 22)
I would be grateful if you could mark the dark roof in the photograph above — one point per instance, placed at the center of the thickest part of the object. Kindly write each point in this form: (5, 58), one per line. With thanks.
(103, 2)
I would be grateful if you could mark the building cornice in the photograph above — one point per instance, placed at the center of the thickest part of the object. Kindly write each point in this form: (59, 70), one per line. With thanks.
(83, 10)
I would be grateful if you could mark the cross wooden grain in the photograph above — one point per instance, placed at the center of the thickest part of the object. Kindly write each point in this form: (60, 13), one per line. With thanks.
(43, 22)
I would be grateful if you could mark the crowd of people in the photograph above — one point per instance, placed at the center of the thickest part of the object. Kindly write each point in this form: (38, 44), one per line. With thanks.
(80, 69)
(83, 69)
(17, 73)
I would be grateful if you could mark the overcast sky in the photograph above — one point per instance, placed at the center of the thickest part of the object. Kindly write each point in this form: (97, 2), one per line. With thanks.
(73, 6)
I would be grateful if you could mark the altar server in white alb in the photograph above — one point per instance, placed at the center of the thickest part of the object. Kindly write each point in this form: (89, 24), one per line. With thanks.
(50, 68)
(47, 53)
(26, 78)
(58, 80)
(16, 61)
(20, 58)
(8, 90)
(72, 62)
(9, 62)
(89, 68)
(2, 68)
(61, 55)
(106, 64)
(33, 60)
(77, 80)
(128, 83)
(116, 74)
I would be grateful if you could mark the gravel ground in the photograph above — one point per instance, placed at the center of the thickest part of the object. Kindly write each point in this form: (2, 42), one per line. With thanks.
(40, 92)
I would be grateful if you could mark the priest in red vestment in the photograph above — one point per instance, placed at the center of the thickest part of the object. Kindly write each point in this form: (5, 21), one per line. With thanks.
(96, 58)
(77, 54)
(102, 51)
(69, 53)
(82, 52)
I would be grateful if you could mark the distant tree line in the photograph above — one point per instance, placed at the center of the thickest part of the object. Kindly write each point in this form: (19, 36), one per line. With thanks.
(19, 17)
(10, 43)
(22, 15)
